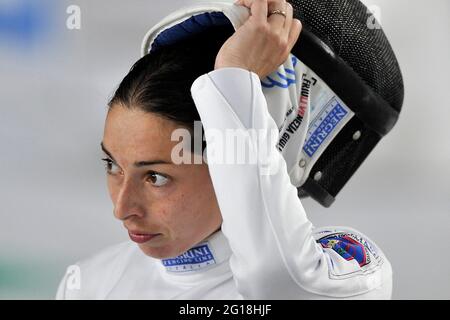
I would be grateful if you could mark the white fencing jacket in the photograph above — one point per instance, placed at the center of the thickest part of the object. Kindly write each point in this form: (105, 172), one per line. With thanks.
(266, 249)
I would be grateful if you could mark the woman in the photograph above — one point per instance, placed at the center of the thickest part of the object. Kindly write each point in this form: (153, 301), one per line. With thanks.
(215, 230)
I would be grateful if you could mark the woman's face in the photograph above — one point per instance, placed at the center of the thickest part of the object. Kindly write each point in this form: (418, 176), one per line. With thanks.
(151, 194)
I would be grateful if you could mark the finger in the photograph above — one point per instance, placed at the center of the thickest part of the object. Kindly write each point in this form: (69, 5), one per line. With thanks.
(289, 17)
(258, 9)
(294, 33)
(277, 21)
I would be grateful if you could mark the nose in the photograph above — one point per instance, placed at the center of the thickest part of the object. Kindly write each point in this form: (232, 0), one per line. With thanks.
(128, 201)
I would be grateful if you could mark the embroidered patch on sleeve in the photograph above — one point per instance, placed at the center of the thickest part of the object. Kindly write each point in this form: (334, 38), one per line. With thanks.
(352, 247)
(347, 247)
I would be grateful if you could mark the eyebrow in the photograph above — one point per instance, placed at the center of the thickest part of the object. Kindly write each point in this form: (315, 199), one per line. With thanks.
(137, 164)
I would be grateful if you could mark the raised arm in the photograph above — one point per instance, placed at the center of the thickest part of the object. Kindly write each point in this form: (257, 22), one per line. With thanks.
(276, 252)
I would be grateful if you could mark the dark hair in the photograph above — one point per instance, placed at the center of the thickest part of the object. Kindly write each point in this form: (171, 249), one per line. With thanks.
(160, 81)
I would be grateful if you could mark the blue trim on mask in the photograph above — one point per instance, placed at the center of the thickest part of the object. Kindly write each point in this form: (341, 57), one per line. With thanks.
(190, 27)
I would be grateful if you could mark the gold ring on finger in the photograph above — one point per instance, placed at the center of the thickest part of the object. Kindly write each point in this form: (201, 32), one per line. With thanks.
(283, 13)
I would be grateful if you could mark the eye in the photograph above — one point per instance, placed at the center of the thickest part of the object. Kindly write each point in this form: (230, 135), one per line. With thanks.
(110, 166)
(157, 179)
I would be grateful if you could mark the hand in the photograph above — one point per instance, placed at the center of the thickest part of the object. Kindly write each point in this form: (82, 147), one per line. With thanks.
(262, 43)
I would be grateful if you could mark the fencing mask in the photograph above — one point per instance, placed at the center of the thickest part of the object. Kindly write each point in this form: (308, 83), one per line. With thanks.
(339, 92)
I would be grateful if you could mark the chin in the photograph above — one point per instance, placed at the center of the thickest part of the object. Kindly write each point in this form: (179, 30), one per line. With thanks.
(162, 252)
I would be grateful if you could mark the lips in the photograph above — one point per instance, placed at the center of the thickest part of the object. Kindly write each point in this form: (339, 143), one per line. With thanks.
(141, 237)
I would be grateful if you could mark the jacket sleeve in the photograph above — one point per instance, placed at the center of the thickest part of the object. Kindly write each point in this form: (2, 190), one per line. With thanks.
(277, 253)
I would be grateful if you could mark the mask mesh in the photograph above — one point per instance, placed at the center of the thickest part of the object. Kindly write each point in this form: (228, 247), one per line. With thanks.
(343, 26)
